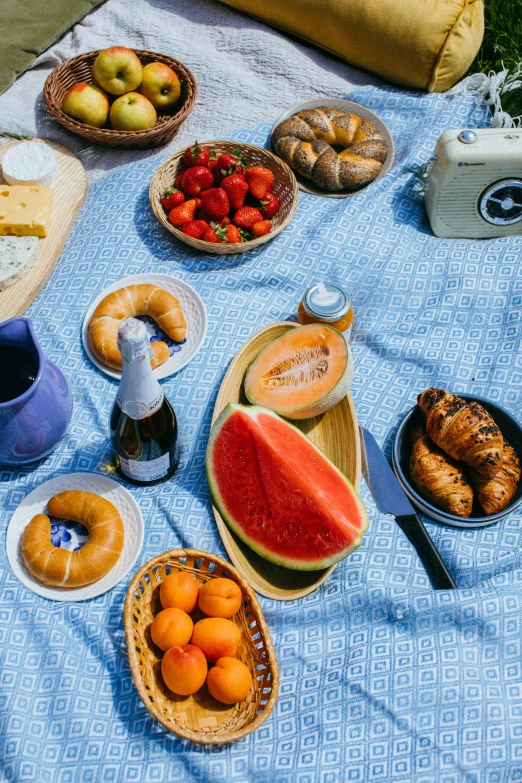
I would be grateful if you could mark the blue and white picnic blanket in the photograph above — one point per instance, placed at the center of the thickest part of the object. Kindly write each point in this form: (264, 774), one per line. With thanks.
(382, 679)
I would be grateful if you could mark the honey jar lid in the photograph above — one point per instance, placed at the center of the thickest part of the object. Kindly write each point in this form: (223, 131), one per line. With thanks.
(327, 301)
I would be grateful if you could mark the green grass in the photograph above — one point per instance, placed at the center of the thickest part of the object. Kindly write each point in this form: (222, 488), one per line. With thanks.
(502, 46)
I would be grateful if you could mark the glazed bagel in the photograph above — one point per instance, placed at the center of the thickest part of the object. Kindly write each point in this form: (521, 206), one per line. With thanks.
(144, 299)
(58, 567)
(304, 143)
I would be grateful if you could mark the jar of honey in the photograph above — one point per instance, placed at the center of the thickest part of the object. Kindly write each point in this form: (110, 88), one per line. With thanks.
(327, 303)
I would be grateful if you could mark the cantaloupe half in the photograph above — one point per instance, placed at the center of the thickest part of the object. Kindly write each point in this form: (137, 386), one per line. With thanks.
(301, 374)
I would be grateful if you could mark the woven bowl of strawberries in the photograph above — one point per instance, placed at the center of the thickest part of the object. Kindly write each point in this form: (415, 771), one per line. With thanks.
(223, 197)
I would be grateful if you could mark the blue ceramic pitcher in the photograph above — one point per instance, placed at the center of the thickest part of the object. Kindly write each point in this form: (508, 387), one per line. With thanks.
(32, 423)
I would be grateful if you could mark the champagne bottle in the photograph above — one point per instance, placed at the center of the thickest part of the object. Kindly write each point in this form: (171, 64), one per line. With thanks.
(144, 430)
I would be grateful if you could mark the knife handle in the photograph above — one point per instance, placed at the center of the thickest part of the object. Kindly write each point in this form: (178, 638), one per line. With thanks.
(417, 534)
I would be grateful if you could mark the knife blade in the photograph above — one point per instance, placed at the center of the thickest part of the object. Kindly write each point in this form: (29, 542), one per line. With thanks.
(390, 498)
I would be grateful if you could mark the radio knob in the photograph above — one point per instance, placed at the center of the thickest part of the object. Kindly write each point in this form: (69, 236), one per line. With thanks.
(467, 137)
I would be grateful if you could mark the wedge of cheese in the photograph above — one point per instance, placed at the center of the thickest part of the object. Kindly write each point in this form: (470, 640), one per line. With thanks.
(17, 257)
(25, 210)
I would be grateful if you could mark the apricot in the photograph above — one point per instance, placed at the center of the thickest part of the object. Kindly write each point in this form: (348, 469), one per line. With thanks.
(170, 628)
(229, 680)
(184, 669)
(180, 591)
(220, 598)
(217, 637)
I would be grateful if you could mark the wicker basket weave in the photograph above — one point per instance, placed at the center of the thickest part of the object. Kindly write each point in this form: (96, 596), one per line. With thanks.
(199, 717)
(79, 70)
(285, 188)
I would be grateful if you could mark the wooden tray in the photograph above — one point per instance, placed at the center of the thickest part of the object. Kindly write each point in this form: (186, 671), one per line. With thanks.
(69, 191)
(335, 432)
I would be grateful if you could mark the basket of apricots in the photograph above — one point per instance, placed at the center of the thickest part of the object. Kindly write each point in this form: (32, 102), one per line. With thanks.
(199, 649)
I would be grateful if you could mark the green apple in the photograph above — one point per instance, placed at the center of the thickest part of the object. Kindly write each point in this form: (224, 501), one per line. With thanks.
(118, 70)
(87, 103)
(132, 112)
(160, 84)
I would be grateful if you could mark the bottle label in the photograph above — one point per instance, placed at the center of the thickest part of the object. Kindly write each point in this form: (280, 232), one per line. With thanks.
(145, 471)
(136, 409)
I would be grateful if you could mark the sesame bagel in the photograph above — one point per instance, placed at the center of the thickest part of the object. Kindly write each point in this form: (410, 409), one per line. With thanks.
(305, 140)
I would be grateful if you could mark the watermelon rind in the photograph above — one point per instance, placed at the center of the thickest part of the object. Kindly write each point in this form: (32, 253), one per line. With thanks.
(334, 396)
(279, 559)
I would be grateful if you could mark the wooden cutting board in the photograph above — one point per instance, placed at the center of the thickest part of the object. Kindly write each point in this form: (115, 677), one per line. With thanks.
(69, 191)
(335, 432)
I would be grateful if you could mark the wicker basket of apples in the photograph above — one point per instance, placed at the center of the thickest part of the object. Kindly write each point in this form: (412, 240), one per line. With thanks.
(121, 97)
(223, 197)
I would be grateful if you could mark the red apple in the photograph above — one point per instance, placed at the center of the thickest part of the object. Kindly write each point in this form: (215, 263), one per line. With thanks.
(87, 103)
(132, 112)
(160, 84)
(118, 70)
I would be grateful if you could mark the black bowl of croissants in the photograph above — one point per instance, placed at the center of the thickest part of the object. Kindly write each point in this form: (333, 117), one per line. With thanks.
(458, 459)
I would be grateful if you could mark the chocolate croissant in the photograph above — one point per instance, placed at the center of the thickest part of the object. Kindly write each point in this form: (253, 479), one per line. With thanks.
(438, 477)
(463, 430)
(495, 493)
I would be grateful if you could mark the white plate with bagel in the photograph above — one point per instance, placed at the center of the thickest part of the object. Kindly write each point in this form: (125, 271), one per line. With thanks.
(90, 556)
(160, 301)
(330, 171)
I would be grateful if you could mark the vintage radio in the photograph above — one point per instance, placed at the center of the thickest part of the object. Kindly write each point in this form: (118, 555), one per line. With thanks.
(473, 185)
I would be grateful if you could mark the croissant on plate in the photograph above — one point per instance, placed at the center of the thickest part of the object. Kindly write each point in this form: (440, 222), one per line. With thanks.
(464, 430)
(495, 493)
(439, 478)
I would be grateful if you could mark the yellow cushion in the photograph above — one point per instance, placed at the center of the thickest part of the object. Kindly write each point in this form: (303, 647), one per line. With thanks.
(427, 44)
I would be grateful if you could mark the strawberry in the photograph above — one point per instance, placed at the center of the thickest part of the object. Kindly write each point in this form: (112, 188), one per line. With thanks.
(269, 205)
(219, 234)
(215, 203)
(177, 181)
(247, 216)
(228, 164)
(260, 180)
(194, 228)
(261, 228)
(196, 155)
(195, 179)
(236, 188)
(184, 213)
(202, 215)
(171, 198)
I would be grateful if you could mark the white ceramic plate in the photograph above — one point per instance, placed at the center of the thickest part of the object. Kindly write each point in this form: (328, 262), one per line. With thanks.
(193, 309)
(349, 107)
(35, 503)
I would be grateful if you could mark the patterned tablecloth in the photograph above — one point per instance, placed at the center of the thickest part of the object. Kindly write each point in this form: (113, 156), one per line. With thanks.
(381, 678)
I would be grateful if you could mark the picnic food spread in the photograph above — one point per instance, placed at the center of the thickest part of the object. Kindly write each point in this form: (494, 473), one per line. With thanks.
(129, 302)
(305, 142)
(56, 566)
(284, 500)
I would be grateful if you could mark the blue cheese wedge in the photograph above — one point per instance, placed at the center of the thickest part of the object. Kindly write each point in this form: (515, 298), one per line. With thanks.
(17, 256)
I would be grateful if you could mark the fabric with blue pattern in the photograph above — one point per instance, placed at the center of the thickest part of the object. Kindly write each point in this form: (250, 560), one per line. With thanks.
(382, 679)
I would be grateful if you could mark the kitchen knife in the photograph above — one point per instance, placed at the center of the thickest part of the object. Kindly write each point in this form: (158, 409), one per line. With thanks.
(390, 498)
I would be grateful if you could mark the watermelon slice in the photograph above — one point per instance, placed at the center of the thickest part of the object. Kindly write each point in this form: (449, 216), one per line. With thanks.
(279, 493)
